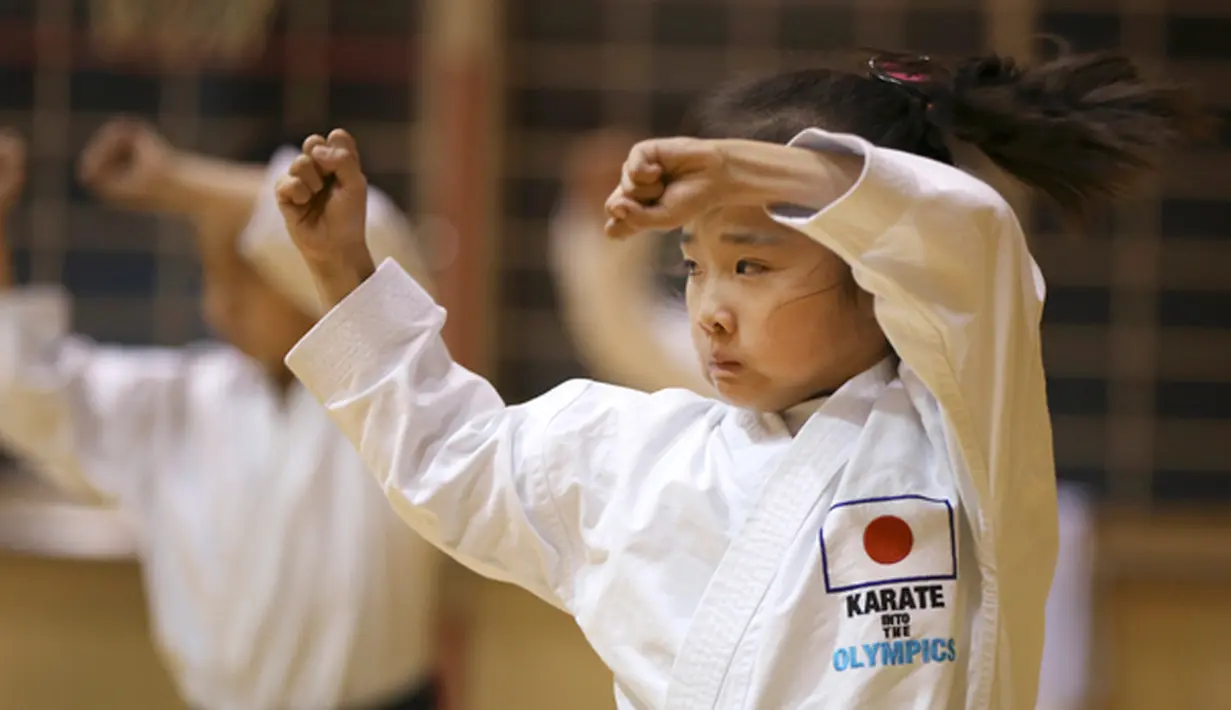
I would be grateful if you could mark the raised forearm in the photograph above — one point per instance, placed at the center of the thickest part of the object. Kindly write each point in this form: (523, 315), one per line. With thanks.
(211, 191)
(768, 173)
(337, 278)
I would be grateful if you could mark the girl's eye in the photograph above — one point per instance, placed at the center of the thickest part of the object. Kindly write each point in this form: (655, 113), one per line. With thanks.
(689, 266)
(748, 268)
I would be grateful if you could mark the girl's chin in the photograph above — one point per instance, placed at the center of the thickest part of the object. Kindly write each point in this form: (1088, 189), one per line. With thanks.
(738, 395)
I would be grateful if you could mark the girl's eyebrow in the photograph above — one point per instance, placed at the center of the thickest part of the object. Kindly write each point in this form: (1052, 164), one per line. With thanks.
(739, 238)
(751, 239)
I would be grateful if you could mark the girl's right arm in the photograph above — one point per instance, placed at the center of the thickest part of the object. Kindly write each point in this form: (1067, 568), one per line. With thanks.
(517, 493)
(509, 491)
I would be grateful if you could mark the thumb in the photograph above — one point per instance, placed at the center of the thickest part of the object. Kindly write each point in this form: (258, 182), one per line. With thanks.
(291, 214)
(640, 218)
(292, 196)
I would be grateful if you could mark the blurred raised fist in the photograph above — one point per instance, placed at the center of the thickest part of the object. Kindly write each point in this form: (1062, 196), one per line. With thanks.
(593, 167)
(12, 169)
(129, 163)
(323, 198)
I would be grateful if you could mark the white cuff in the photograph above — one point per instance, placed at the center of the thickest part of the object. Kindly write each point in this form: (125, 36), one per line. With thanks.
(878, 199)
(383, 314)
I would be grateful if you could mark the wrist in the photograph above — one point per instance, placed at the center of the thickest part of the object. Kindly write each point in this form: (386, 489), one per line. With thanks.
(360, 264)
(175, 192)
(763, 173)
(337, 277)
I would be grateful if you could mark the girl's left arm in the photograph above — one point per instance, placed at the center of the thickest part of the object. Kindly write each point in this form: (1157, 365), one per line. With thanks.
(960, 299)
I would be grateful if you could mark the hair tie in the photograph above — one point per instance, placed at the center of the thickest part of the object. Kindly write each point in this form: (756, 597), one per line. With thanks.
(929, 84)
(912, 71)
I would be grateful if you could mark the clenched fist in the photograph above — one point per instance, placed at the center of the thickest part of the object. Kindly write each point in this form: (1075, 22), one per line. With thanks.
(669, 182)
(128, 163)
(666, 183)
(323, 198)
(12, 169)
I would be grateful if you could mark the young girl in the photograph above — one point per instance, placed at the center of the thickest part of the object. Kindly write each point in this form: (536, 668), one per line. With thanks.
(630, 331)
(866, 519)
(277, 576)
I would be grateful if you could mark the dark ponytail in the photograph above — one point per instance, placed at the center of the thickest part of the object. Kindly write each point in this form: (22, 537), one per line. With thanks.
(1079, 128)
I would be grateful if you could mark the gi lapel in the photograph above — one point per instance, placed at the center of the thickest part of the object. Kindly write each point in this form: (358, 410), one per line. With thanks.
(754, 558)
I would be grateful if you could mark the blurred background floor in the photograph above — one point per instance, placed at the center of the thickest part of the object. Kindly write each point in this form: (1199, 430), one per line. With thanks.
(73, 634)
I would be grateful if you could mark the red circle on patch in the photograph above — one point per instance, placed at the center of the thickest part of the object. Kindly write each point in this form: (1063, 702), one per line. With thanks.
(888, 539)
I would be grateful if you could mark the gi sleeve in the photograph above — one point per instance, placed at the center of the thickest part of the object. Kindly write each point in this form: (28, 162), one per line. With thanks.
(87, 416)
(960, 299)
(475, 477)
(957, 292)
(625, 330)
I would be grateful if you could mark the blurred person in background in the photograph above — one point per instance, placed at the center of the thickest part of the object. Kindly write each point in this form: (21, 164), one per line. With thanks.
(867, 516)
(277, 577)
(629, 330)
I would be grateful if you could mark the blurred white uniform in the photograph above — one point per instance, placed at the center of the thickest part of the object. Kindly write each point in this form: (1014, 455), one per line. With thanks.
(889, 546)
(1065, 683)
(630, 333)
(277, 576)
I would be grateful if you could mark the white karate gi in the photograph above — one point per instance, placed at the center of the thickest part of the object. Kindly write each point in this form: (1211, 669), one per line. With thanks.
(277, 576)
(889, 547)
(631, 332)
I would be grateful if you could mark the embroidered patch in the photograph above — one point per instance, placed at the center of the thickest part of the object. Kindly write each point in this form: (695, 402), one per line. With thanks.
(890, 540)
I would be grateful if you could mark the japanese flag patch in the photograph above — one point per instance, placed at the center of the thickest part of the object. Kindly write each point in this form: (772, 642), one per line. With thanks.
(891, 540)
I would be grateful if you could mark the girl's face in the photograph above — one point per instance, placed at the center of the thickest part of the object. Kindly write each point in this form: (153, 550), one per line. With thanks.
(774, 319)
